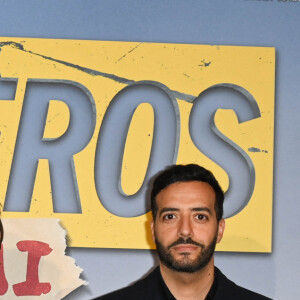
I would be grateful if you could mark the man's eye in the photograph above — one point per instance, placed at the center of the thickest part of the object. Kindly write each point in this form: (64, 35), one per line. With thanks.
(169, 217)
(201, 217)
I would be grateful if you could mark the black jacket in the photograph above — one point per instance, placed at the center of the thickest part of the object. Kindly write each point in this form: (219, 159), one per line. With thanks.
(152, 287)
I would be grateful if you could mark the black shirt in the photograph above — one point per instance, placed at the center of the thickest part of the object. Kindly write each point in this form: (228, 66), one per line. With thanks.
(153, 287)
(168, 295)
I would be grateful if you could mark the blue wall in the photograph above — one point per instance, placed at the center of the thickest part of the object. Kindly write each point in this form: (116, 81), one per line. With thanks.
(226, 22)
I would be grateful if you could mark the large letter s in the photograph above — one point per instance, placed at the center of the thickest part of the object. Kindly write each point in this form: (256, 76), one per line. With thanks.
(218, 147)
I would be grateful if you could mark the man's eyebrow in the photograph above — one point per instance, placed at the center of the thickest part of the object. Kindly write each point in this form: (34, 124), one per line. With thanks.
(170, 209)
(202, 209)
(167, 209)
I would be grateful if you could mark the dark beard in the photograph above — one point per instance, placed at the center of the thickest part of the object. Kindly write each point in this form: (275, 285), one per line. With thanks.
(185, 265)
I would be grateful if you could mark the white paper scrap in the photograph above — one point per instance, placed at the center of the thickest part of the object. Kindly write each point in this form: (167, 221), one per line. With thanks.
(33, 261)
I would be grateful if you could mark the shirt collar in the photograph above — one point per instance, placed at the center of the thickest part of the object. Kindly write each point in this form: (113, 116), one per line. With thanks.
(168, 295)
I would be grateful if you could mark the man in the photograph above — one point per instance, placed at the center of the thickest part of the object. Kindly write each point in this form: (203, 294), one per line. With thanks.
(187, 210)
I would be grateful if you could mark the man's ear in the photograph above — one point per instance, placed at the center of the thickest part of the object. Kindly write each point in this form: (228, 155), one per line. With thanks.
(152, 229)
(221, 228)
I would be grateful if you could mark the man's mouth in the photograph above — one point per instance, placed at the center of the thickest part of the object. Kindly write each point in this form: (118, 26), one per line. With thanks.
(185, 243)
(185, 248)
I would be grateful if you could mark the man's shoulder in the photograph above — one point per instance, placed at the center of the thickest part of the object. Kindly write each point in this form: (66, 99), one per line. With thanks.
(232, 291)
(141, 289)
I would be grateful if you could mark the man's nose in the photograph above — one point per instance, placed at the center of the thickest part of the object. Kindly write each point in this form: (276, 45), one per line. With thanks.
(185, 227)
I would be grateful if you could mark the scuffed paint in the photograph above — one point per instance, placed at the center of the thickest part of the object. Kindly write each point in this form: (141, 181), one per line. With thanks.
(177, 94)
(204, 63)
(131, 50)
(13, 44)
(254, 149)
(80, 68)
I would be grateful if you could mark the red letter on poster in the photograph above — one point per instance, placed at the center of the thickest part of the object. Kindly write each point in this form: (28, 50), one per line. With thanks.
(3, 281)
(32, 286)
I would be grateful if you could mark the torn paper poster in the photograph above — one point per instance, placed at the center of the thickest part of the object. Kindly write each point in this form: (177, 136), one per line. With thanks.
(33, 261)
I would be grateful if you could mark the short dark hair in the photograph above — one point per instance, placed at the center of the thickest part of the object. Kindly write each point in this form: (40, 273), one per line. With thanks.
(186, 173)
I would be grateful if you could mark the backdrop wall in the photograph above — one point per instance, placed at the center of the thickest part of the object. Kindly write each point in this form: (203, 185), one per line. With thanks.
(246, 23)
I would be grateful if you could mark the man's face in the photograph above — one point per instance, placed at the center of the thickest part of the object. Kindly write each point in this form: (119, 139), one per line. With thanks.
(186, 229)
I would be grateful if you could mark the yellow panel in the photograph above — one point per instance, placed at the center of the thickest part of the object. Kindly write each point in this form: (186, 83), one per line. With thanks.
(137, 149)
(186, 70)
